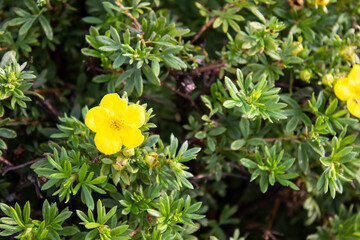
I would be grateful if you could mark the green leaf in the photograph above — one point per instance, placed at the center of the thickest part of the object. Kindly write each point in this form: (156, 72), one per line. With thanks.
(244, 127)
(138, 82)
(255, 141)
(217, 131)
(86, 197)
(230, 103)
(237, 144)
(232, 89)
(292, 124)
(119, 60)
(200, 135)
(303, 158)
(332, 107)
(26, 26)
(2, 144)
(173, 61)
(263, 182)
(118, 230)
(248, 163)
(257, 13)
(150, 75)
(7, 133)
(82, 173)
(92, 225)
(46, 27)
(26, 212)
(211, 143)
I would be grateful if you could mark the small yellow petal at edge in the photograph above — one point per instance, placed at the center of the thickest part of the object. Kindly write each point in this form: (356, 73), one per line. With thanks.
(131, 136)
(354, 75)
(96, 118)
(322, 2)
(135, 114)
(342, 89)
(116, 105)
(353, 105)
(108, 142)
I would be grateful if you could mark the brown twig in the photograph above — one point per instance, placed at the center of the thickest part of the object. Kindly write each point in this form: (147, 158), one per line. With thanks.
(210, 175)
(268, 234)
(208, 67)
(50, 109)
(12, 168)
(165, 103)
(287, 138)
(26, 121)
(2, 159)
(136, 22)
(186, 96)
(208, 24)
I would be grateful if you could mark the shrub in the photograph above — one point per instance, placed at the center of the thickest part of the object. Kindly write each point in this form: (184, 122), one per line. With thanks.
(151, 119)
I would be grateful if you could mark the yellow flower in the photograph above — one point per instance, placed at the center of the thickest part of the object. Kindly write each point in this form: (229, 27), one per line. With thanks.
(348, 89)
(115, 124)
(322, 2)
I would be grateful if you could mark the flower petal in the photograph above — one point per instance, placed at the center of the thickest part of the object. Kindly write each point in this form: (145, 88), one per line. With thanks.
(116, 105)
(96, 118)
(135, 114)
(131, 136)
(354, 75)
(342, 89)
(108, 141)
(353, 105)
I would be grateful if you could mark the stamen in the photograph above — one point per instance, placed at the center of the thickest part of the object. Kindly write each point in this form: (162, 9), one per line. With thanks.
(116, 123)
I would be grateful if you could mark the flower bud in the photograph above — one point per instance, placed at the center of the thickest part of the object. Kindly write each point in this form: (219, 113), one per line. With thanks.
(327, 80)
(299, 48)
(128, 152)
(305, 75)
(151, 159)
(348, 53)
(121, 163)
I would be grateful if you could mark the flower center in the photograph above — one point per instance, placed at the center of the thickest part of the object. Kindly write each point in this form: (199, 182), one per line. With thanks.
(116, 123)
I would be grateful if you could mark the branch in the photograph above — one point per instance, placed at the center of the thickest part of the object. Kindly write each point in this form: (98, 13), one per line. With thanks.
(12, 168)
(136, 22)
(287, 138)
(208, 24)
(2, 159)
(186, 96)
(208, 67)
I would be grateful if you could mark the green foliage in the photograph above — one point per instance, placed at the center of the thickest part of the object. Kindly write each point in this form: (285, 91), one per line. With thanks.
(271, 168)
(18, 220)
(14, 81)
(254, 100)
(99, 228)
(247, 133)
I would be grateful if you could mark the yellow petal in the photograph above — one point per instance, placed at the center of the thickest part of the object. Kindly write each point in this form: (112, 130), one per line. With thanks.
(322, 2)
(135, 114)
(353, 106)
(96, 118)
(342, 89)
(108, 141)
(354, 75)
(116, 105)
(131, 136)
